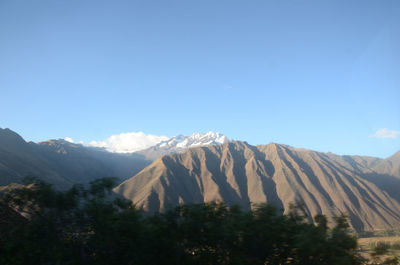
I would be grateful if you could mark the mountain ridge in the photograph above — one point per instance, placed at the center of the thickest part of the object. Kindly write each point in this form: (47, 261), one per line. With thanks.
(180, 143)
(365, 188)
(239, 173)
(60, 162)
(64, 163)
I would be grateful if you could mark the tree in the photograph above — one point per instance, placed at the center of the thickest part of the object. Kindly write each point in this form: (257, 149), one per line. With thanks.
(89, 225)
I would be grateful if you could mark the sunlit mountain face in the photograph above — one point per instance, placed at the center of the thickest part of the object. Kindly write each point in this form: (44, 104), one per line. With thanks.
(364, 188)
(210, 167)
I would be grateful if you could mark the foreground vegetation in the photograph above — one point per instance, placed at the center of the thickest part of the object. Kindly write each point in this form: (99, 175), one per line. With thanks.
(380, 250)
(86, 226)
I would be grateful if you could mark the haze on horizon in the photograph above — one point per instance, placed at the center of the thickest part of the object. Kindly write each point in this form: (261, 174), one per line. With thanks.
(323, 75)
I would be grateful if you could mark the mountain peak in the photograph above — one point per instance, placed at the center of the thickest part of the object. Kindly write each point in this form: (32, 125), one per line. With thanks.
(9, 134)
(180, 143)
(11, 139)
(194, 140)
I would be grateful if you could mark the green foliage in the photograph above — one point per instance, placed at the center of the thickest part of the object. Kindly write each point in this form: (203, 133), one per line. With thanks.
(86, 226)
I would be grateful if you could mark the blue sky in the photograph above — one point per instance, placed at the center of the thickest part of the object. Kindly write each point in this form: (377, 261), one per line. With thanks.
(323, 75)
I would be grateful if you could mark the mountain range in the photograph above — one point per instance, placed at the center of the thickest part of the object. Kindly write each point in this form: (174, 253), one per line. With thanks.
(364, 188)
(210, 167)
(60, 162)
(63, 163)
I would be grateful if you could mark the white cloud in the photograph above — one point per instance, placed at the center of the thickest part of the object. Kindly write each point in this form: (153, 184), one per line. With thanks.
(385, 133)
(69, 139)
(129, 142)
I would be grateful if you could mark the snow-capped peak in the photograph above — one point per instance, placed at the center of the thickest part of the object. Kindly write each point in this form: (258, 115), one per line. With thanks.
(194, 140)
(139, 141)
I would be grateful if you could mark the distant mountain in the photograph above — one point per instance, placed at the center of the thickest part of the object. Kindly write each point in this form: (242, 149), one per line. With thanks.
(60, 162)
(364, 188)
(180, 143)
(389, 166)
(63, 163)
(209, 167)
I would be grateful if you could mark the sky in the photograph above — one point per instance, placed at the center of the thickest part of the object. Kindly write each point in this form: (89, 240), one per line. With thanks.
(322, 75)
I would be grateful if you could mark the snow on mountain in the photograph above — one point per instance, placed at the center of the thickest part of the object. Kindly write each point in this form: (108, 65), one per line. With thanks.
(194, 140)
(180, 143)
(139, 141)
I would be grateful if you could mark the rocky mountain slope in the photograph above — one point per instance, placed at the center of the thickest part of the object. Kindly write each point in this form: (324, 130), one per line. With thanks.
(389, 166)
(364, 188)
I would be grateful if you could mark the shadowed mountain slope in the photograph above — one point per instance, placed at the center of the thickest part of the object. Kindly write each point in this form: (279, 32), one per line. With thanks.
(61, 163)
(238, 173)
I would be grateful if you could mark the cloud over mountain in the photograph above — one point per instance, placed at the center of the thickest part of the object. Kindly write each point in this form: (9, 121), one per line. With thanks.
(129, 142)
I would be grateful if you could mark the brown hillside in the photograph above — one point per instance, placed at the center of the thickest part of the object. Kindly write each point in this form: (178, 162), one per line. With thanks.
(238, 173)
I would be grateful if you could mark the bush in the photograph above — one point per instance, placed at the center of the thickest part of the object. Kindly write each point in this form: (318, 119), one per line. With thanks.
(380, 248)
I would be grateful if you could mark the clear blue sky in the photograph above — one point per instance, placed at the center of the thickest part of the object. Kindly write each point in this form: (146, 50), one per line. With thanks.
(320, 74)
